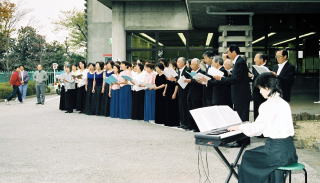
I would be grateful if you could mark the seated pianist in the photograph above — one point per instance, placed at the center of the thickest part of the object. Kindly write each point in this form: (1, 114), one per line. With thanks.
(259, 165)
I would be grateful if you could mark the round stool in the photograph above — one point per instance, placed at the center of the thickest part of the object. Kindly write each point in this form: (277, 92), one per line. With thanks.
(293, 167)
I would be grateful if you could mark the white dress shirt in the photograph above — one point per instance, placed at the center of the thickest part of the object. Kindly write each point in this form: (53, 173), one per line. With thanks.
(82, 81)
(69, 84)
(181, 71)
(235, 59)
(138, 78)
(274, 120)
(280, 67)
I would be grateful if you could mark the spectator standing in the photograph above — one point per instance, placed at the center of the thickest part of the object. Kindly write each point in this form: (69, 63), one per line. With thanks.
(24, 82)
(40, 77)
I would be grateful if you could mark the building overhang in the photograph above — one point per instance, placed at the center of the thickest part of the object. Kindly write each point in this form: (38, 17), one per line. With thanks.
(108, 3)
(211, 13)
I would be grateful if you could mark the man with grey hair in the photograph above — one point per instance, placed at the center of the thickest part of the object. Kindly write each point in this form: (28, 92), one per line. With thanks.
(195, 93)
(182, 93)
(221, 92)
(227, 64)
(40, 77)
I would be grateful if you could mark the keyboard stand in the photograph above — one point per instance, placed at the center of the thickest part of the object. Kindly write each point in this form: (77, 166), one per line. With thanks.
(233, 165)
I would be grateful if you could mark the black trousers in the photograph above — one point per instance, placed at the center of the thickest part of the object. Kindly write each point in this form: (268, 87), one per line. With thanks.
(183, 108)
(14, 93)
(193, 103)
(243, 112)
(69, 100)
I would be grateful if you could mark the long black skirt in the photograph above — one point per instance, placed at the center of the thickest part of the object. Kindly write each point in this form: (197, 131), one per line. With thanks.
(172, 108)
(98, 100)
(172, 116)
(137, 105)
(81, 99)
(62, 104)
(259, 165)
(90, 107)
(69, 99)
(161, 103)
(105, 102)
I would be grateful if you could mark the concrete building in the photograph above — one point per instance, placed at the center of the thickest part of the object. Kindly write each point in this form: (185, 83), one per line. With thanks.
(149, 29)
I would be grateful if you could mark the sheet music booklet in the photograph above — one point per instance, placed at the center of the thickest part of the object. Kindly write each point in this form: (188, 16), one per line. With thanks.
(213, 117)
(111, 79)
(260, 69)
(215, 72)
(169, 73)
(182, 83)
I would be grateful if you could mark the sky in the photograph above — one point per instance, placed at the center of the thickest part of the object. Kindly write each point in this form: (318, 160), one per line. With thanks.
(42, 13)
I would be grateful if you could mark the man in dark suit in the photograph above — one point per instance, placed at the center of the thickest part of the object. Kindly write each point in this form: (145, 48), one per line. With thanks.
(239, 81)
(195, 93)
(221, 92)
(207, 92)
(240, 88)
(285, 72)
(183, 93)
(260, 59)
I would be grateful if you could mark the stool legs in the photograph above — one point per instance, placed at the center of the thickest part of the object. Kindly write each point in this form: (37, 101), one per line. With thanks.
(305, 175)
(289, 176)
(289, 172)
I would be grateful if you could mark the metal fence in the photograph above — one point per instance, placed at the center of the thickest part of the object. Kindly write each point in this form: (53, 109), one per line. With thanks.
(5, 76)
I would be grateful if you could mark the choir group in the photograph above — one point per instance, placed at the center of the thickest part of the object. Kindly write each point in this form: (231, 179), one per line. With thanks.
(165, 92)
(121, 90)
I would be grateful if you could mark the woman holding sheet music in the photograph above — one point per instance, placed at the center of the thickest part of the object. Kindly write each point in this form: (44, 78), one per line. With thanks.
(150, 94)
(114, 93)
(81, 90)
(69, 84)
(105, 103)
(275, 123)
(90, 107)
(160, 86)
(125, 91)
(137, 92)
(172, 116)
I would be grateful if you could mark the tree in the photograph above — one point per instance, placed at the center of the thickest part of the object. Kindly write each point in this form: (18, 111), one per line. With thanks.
(74, 22)
(10, 15)
(29, 48)
(55, 53)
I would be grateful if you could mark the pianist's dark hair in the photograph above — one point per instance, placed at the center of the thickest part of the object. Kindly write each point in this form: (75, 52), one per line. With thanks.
(270, 81)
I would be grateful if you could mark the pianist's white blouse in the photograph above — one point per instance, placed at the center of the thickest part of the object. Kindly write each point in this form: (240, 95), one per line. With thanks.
(274, 120)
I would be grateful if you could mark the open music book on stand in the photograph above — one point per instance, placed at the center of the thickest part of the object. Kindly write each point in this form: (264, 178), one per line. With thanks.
(215, 117)
(213, 122)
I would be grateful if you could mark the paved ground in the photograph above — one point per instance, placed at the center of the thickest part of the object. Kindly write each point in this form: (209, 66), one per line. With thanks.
(40, 144)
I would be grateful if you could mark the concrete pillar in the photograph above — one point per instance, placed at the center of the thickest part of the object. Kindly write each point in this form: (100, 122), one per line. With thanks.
(118, 32)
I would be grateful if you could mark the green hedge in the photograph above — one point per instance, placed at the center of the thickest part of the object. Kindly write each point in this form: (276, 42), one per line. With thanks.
(6, 89)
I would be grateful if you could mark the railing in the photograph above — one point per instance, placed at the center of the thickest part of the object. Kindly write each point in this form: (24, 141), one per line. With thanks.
(5, 76)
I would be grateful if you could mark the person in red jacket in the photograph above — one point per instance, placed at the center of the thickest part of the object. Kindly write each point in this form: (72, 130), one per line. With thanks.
(15, 82)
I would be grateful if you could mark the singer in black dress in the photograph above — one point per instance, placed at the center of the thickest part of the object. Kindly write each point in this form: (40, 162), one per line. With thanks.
(90, 107)
(160, 110)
